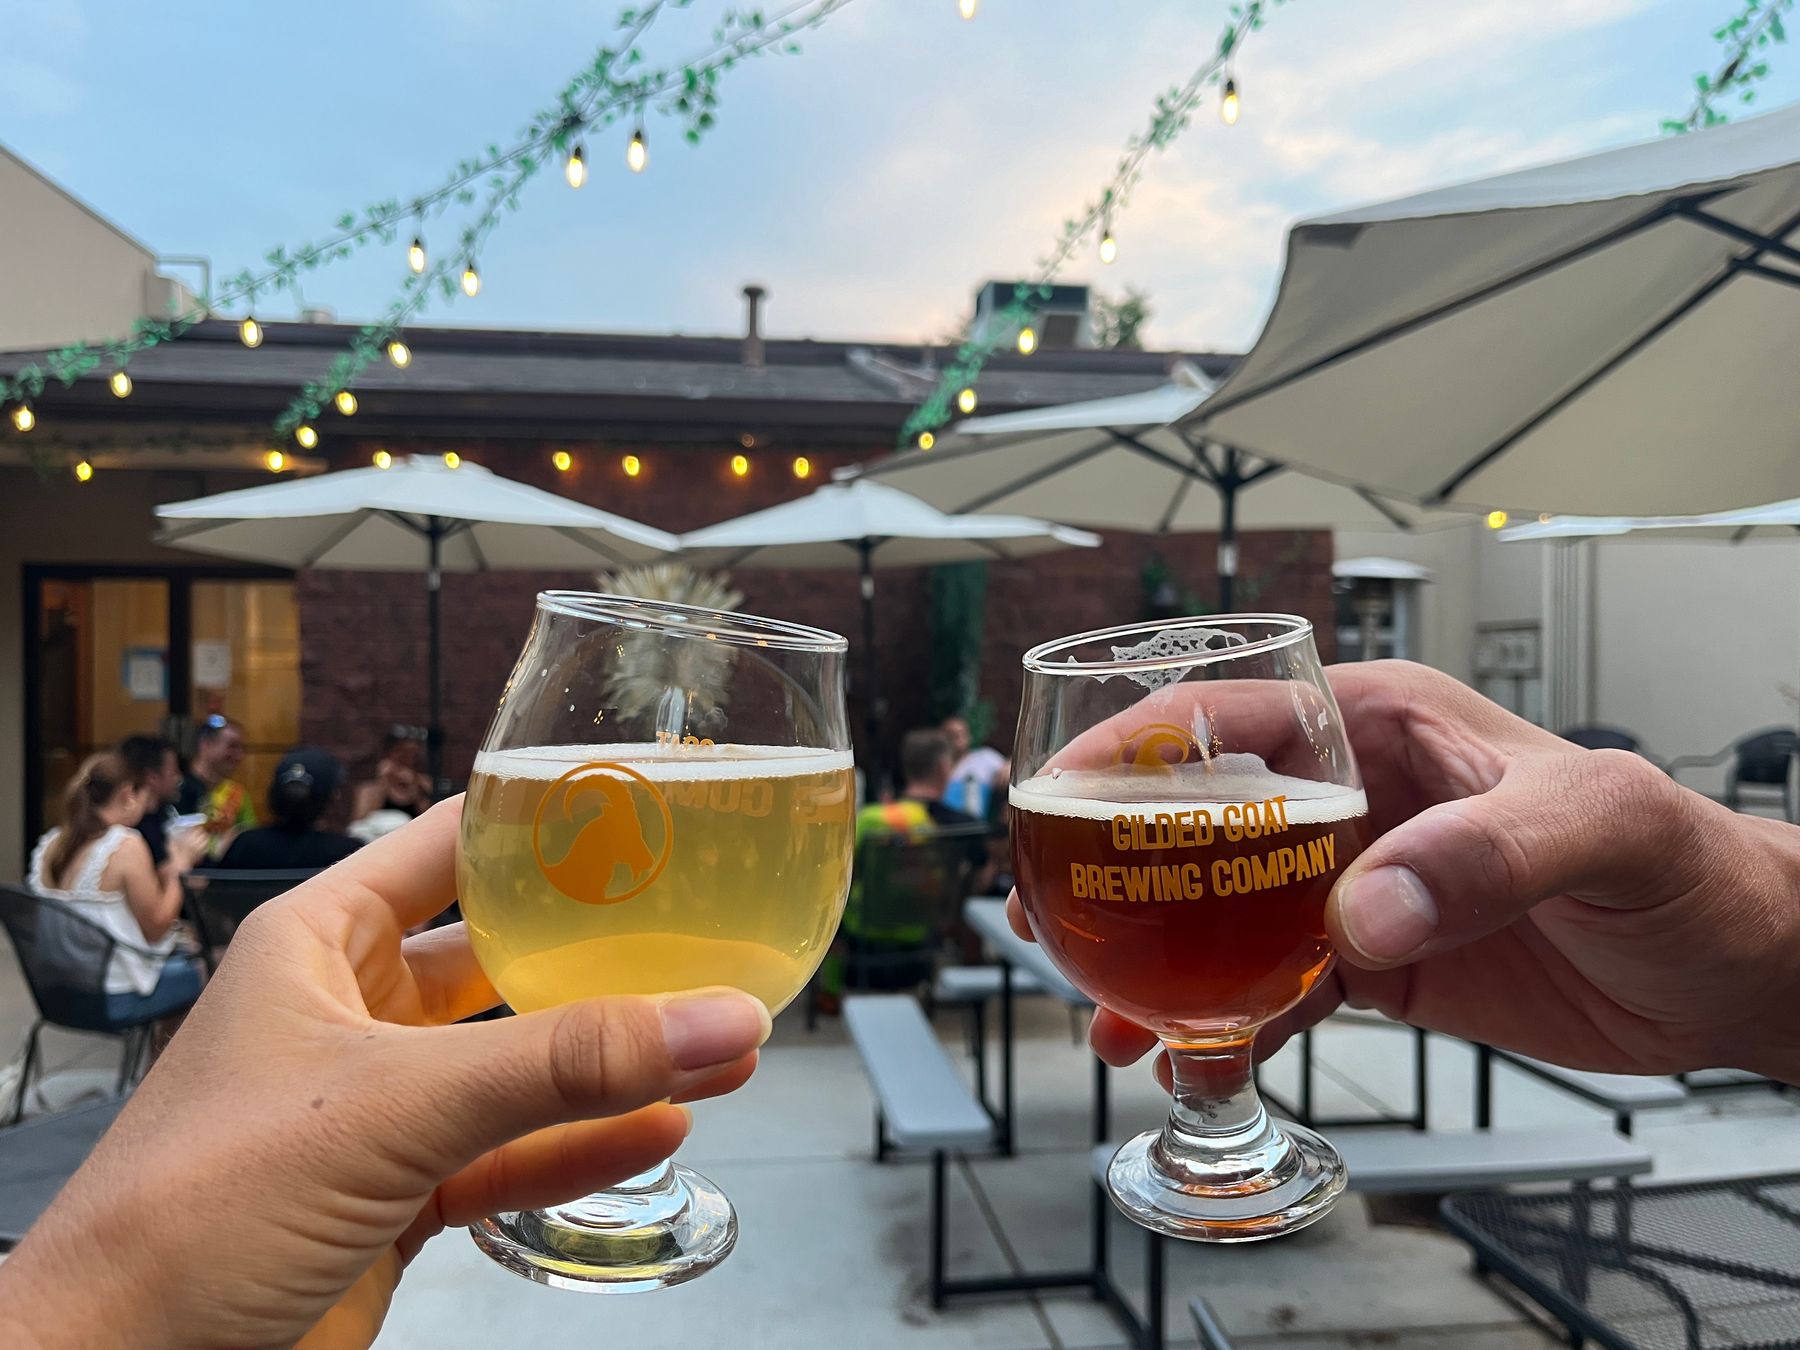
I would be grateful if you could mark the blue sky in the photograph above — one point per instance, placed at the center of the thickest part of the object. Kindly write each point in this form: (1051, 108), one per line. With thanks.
(871, 182)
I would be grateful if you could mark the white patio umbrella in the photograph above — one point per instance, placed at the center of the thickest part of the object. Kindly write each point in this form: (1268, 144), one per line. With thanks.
(869, 525)
(419, 515)
(1611, 334)
(1776, 519)
(1128, 463)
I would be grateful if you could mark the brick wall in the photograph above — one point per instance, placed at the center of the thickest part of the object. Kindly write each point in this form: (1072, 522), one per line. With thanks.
(363, 648)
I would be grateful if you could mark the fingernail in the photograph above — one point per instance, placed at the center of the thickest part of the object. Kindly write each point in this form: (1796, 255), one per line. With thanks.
(1387, 914)
(688, 1113)
(704, 1030)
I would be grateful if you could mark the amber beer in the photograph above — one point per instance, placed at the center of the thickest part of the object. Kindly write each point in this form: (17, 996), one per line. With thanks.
(1190, 901)
(591, 870)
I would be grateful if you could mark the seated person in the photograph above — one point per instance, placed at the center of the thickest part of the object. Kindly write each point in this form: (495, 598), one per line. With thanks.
(208, 789)
(155, 764)
(307, 783)
(98, 864)
(401, 782)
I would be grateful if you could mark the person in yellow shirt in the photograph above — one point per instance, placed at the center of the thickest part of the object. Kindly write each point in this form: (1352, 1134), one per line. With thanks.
(208, 789)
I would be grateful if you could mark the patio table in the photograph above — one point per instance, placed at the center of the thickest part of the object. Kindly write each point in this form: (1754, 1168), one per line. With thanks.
(36, 1158)
(1673, 1267)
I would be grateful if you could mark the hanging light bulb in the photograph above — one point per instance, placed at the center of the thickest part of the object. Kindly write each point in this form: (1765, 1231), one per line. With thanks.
(576, 169)
(1230, 105)
(346, 402)
(120, 384)
(250, 332)
(400, 354)
(1109, 247)
(637, 154)
(802, 467)
(563, 461)
(23, 419)
(926, 440)
(415, 255)
(740, 465)
(1496, 520)
(1027, 340)
(83, 471)
(632, 465)
(452, 460)
(471, 280)
(1543, 517)
(306, 436)
(966, 8)
(275, 460)
(381, 459)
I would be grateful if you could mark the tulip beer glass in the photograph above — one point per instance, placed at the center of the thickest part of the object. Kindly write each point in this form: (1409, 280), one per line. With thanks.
(1183, 797)
(663, 801)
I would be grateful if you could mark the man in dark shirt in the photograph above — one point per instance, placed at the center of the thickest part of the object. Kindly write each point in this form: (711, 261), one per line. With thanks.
(307, 783)
(156, 767)
(925, 764)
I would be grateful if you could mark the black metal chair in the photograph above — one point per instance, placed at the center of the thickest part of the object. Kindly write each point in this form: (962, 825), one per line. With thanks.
(1596, 736)
(219, 899)
(65, 957)
(1761, 762)
(907, 897)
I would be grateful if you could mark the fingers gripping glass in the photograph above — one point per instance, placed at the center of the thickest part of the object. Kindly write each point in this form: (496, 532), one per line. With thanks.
(1183, 798)
(663, 802)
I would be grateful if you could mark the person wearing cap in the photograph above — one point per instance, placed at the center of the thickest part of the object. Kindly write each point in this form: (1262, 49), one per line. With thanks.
(307, 783)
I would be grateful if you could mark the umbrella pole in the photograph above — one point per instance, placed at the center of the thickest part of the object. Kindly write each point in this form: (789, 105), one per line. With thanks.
(434, 732)
(1228, 550)
(871, 706)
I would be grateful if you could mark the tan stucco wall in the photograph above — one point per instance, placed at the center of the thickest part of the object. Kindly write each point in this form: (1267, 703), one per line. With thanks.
(65, 274)
(56, 520)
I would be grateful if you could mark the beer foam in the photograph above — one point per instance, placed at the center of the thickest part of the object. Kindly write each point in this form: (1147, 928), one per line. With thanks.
(1227, 780)
(663, 763)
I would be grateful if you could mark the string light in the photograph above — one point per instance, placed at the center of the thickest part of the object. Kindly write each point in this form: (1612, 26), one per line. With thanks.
(250, 332)
(23, 419)
(471, 280)
(563, 461)
(84, 472)
(1027, 340)
(346, 402)
(452, 460)
(1496, 520)
(926, 440)
(306, 436)
(802, 467)
(632, 465)
(275, 460)
(966, 8)
(965, 401)
(1230, 105)
(400, 354)
(740, 465)
(415, 255)
(120, 384)
(381, 459)
(1543, 517)
(576, 169)
(637, 154)
(1109, 247)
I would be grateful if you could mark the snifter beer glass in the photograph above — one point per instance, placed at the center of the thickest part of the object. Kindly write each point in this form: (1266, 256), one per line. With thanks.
(663, 801)
(1183, 798)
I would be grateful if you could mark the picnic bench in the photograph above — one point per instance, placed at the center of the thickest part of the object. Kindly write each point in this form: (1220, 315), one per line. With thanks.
(1622, 1094)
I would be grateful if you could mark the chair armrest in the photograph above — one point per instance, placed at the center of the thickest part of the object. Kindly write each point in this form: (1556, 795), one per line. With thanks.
(1680, 762)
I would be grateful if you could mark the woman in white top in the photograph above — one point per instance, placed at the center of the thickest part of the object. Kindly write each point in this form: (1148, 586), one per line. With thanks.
(98, 864)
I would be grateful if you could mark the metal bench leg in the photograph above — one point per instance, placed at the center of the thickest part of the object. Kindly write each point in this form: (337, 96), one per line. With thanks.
(1006, 1061)
(978, 1047)
(1306, 1078)
(1622, 1121)
(1421, 1071)
(937, 1228)
(1155, 1246)
(1484, 1087)
(881, 1140)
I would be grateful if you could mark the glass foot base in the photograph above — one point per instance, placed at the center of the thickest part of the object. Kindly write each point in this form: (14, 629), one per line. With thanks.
(628, 1241)
(1295, 1180)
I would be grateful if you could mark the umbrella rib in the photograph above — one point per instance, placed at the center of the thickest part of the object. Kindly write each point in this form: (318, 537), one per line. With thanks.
(1398, 521)
(1400, 328)
(575, 536)
(335, 538)
(1734, 267)
(1176, 498)
(1763, 243)
(1032, 479)
(1772, 274)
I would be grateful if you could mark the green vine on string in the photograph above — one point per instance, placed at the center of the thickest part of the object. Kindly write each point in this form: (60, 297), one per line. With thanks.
(614, 85)
(1172, 114)
(1752, 30)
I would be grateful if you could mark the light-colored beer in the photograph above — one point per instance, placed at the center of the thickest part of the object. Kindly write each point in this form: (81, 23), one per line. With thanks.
(733, 871)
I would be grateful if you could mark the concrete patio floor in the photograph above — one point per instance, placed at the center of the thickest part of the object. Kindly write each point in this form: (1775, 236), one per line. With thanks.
(833, 1247)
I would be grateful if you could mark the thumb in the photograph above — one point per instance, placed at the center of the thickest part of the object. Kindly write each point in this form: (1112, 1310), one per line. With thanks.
(1596, 824)
(491, 1082)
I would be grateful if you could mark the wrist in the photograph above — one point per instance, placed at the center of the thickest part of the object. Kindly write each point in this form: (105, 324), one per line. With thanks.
(1767, 1040)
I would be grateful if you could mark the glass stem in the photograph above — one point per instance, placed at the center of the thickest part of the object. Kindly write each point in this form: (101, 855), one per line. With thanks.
(1218, 1134)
